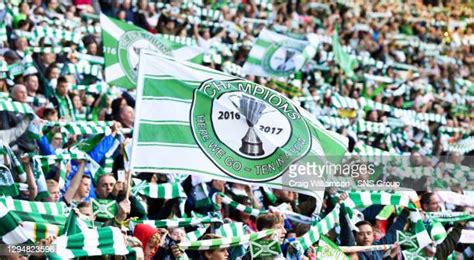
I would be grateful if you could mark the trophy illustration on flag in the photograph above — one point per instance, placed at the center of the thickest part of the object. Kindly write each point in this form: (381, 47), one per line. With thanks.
(252, 109)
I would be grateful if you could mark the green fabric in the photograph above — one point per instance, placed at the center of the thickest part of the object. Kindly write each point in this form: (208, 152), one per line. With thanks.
(344, 60)
(378, 90)
(65, 107)
(18, 18)
(406, 29)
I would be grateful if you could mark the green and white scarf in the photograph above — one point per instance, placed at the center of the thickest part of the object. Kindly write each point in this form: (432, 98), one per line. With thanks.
(174, 223)
(224, 242)
(65, 107)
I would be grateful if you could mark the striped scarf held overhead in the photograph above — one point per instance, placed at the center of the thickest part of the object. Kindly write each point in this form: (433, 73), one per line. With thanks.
(322, 227)
(52, 208)
(85, 68)
(174, 223)
(158, 191)
(82, 127)
(100, 87)
(13, 106)
(232, 229)
(238, 206)
(58, 34)
(224, 242)
(199, 232)
(368, 198)
(92, 242)
(56, 50)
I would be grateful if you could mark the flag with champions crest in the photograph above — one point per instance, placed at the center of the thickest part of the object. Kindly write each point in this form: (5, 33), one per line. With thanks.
(122, 42)
(222, 126)
(277, 55)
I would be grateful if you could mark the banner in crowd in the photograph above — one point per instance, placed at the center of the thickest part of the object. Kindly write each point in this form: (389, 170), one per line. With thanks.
(276, 55)
(223, 127)
(122, 42)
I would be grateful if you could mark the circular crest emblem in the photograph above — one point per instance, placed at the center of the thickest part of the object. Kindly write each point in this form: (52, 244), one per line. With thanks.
(128, 50)
(250, 132)
(283, 58)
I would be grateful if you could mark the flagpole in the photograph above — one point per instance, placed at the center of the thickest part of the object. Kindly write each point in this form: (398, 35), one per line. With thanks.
(127, 171)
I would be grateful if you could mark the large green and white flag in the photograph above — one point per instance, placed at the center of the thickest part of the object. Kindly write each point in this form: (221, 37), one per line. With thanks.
(122, 42)
(195, 120)
(277, 55)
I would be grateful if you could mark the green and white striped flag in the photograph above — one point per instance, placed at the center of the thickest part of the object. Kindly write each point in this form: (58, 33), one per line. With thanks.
(227, 128)
(276, 55)
(122, 42)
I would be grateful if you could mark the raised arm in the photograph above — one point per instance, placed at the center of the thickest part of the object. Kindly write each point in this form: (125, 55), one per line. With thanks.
(75, 182)
(444, 249)
(391, 235)
(30, 178)
(196, 31)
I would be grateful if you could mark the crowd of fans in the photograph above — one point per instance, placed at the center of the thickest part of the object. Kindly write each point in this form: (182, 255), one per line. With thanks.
(425, 52)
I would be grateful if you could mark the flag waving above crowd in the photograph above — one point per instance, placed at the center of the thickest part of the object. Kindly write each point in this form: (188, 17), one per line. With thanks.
(217, 130)
(122, 42)
(276, 55)
(225, 124)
